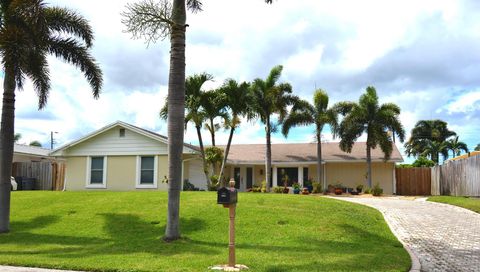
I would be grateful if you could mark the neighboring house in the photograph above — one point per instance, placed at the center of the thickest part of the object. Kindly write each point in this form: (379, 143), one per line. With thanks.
(27, 153)
(123, 157)
(246, 163)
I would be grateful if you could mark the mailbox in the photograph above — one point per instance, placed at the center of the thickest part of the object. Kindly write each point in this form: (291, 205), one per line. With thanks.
(226, 195)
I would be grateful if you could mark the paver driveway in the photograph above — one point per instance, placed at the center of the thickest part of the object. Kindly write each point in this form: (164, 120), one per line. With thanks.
(443, 237)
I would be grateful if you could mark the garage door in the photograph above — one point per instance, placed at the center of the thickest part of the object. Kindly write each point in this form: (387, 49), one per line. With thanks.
(196, 175)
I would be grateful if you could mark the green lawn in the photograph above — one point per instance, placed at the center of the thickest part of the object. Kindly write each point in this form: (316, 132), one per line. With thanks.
(112, 231)
(470, 203)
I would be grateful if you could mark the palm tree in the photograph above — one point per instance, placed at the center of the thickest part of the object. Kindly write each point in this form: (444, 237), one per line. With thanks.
(424, 132)
(434, 148)
(269, 97)
(477, 148)
(157, 21)
(29, 31)
(194, 113)
(377, 121)
(17, 137)
(304, 113)
(237, 100)
(456, 146)
(213, 106)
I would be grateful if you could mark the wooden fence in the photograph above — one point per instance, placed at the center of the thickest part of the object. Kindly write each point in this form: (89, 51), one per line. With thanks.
(413, 181)
(457, 178)
(48, 175)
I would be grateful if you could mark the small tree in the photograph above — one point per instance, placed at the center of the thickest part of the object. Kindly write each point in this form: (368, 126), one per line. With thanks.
(423, 162)
(35, 143)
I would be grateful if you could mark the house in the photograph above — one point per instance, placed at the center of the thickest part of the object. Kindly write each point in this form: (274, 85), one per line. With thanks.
(28, 153)
(246, 163)
(123, 157)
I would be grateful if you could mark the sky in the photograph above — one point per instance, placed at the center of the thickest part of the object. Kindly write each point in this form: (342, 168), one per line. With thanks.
(421, 55)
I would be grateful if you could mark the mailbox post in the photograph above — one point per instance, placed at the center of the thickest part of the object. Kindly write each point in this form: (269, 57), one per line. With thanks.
(228, 197)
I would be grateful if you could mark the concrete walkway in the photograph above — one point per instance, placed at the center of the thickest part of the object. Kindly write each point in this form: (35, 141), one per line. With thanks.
(443, 237)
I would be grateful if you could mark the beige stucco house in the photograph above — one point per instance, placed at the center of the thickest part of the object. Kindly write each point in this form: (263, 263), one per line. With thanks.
(246, 163)
(123, 157)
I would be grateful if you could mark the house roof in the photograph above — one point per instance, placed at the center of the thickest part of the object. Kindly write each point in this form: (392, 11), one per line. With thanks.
(466, 155)
(304, 152)
(136, 129)
(29, 150)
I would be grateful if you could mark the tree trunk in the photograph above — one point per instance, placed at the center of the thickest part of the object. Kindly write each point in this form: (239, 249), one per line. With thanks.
(369, 167)
(202, 152)
(268, 155)
(319, 162)
(176, 117)
(225, 156)
(6, 146)
(212, 131)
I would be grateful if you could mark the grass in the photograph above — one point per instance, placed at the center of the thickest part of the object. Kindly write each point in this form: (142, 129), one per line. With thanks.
(470, 203)
(121, 231)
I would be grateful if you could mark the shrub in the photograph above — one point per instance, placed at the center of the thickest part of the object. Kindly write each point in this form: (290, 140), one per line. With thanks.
(317, 187)
(423, 162)
(264, 187)
(377, 191)
(256, 189)
(367, 190)
(213, 187)
(359, 187)
(278, 190)
(187, 186)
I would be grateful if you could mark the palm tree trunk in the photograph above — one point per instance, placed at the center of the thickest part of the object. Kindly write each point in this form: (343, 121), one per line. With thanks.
(369, 167)
(202, 152)
(176, 116)
(6, 145)
(319, 162)
(225, 156)
(212, 131)
(268, 155)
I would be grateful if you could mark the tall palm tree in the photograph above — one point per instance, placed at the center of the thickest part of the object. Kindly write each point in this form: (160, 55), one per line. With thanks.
(213, 106)
(423, 133)
(303, 113)
(155, 21)
(433, 149)
(29, 32)
(456, 146)
(270, 97)
(377, 121)
(194, 113)
(237, 100)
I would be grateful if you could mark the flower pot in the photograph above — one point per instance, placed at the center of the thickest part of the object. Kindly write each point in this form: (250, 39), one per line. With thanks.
(296, 191)
(338, 191)
(286, 190)
(310, 188)
(305, 191)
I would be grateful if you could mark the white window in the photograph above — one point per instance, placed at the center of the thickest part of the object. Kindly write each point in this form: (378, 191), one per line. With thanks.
(147, 171)
(97, 172)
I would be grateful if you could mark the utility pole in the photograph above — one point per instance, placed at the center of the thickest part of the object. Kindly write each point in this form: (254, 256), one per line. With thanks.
(51, 139)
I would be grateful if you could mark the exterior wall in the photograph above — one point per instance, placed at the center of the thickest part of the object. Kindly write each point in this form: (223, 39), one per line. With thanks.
(259, 177)
(352, 174)
(121, 174)
(75, 173)
(196, 175)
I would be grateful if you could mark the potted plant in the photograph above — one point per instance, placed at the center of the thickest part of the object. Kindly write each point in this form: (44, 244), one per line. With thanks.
(308, 184)
(359, 188)
(296, 188)
(339, 188)
(305, 191)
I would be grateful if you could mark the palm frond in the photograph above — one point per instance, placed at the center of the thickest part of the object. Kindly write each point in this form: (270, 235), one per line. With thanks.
(273, 76)
(73, 52)
(37, 70)
(66, 21)
(296, 119)
(194, 6)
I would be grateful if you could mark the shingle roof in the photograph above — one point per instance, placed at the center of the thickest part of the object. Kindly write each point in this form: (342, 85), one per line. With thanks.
(30, 150)
(304, 152)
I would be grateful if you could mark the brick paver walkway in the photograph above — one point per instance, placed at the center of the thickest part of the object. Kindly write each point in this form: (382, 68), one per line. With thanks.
(443, 237)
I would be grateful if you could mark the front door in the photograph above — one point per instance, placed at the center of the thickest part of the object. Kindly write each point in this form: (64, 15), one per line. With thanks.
(236, 176)
(249, 177)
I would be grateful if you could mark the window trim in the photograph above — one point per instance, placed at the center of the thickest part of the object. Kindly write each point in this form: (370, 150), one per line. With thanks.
(89, 172)
(138, 185)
